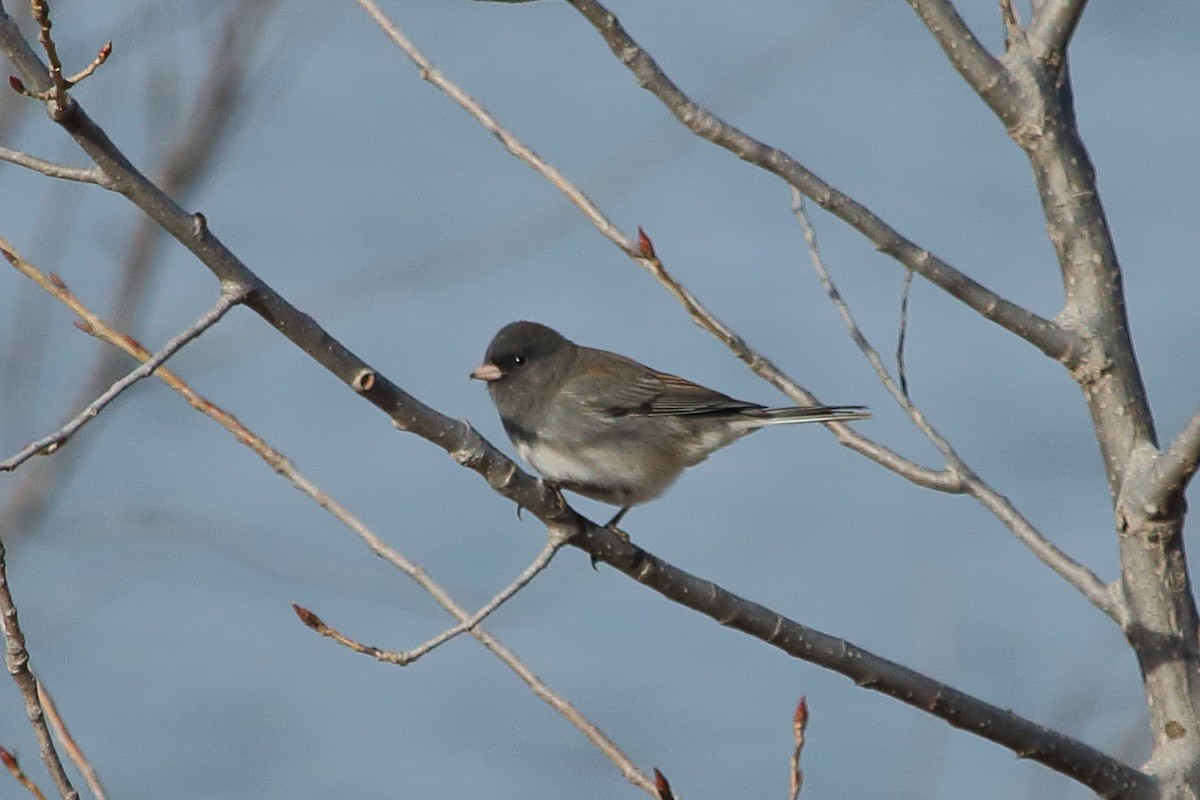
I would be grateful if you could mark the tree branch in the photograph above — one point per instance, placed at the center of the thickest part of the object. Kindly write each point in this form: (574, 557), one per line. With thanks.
(231, 295)
(52, 169)
(556, 539)
(1046, 335)
(74, 751)
(1162, 621)
(979, 68)
(1051, 29)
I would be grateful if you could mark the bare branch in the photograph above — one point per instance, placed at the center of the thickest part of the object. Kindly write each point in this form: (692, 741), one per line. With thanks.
(511, 143)
(1074, 573)
(74, 752)
(1046, 335)
(9, 759)
(51, 169)
(979, 68)
(16, 658)
(230, 296)
(1051, 29)
(555, 541)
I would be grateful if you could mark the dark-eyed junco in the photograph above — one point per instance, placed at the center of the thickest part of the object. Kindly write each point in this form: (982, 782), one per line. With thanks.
(609, 428)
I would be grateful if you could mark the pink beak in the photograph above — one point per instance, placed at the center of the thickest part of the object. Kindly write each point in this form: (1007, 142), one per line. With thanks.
(487, 373)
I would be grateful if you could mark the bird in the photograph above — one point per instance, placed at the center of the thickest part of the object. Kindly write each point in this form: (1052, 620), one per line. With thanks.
(612, 429)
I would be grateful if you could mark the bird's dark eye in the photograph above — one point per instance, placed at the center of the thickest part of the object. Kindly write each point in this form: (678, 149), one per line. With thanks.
(510, 362)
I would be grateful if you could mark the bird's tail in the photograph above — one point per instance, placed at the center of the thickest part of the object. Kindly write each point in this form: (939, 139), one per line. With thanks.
(797, 414)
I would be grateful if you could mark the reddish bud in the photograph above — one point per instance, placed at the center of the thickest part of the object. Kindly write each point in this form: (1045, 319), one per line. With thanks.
(8, 759)
(307, 617)
(57, 282)
(645, 246)
(800, 719)
(86, 327)
(9, 256)
(16, 84)
(661, 785)
(105, 52)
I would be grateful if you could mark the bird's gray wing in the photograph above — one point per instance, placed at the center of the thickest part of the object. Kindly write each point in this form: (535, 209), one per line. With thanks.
(619, 386)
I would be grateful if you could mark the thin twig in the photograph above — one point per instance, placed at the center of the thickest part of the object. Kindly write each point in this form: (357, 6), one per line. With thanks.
(52, 169)
(1074, 573)
(555, 541)
(74, 752)
(280, 464)
(16, 658)
(9, 759)
(41, 14)
(229, 297)
(515, 146)
(799, 726)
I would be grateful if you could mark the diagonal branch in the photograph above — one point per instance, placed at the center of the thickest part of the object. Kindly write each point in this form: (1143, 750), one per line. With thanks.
(1046, 335)
(74, 752)
(230, 296)
(987, 76)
